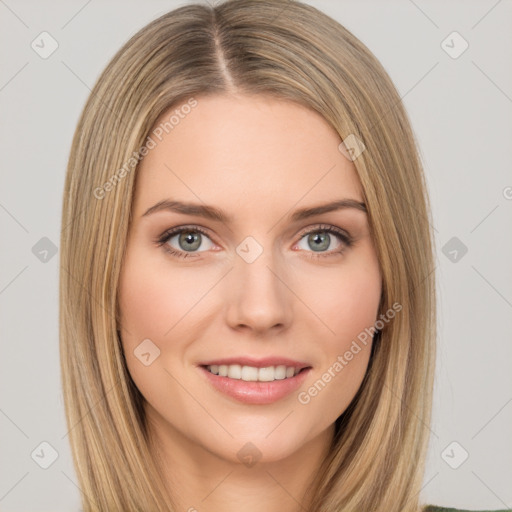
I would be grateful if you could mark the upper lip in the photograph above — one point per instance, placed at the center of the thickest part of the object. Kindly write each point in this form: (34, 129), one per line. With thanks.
(257, 363)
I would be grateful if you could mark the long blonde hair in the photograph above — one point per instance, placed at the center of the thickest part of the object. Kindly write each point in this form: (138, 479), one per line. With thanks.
(291, 51)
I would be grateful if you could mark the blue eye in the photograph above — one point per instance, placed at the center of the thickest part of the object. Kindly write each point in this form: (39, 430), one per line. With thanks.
(320, 238)
(191, 238)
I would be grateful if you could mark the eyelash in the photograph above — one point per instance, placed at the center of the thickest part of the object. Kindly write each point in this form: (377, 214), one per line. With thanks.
(162, 240)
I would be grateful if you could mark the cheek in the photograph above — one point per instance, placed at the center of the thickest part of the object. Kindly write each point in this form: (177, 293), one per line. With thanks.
(151, 303)
(348, 304)
(152, 300)
(347, 300)
(142, 304)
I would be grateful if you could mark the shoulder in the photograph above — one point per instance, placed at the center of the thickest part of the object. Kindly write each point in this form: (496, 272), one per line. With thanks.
(434, 508)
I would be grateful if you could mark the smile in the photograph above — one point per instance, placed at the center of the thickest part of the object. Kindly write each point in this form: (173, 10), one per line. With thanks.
(253, 374)
(266, 387)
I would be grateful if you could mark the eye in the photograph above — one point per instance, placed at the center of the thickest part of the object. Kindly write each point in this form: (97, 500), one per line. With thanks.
(188, 239)
(321, 239)
(184, 241)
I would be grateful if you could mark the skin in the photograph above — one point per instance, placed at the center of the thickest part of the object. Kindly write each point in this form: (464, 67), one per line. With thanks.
(258, 159)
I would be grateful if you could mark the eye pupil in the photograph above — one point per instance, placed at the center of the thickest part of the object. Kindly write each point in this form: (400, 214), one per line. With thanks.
(323, 239)
(190, 237)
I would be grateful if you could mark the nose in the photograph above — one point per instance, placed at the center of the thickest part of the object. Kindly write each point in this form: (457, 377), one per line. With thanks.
(259, 299)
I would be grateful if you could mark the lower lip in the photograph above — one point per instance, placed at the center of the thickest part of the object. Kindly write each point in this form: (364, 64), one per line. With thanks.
(258, 393)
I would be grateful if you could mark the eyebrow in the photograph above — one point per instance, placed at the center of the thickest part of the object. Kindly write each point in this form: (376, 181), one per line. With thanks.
(213, 213)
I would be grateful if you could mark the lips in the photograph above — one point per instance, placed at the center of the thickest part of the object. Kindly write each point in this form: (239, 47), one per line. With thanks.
(244, 389)
(255, 393)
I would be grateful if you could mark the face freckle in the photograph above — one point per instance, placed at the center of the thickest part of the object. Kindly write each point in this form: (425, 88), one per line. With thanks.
(251, 286)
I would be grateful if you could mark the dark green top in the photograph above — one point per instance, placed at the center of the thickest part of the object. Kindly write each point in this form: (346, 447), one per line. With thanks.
(433, 508)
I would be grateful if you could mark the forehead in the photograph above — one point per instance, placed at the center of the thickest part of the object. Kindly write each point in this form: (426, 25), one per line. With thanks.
(250, 151)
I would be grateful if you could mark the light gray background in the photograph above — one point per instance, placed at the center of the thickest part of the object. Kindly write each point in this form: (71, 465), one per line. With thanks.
(461, 113)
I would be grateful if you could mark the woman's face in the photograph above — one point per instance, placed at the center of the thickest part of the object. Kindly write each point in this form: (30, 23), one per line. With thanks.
(251, 279)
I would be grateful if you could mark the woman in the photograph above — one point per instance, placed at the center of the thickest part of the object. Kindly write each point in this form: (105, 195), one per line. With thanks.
(247, 295)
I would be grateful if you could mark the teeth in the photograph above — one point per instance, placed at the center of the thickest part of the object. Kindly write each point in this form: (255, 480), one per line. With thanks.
(234, 371)
(248, 373)
(253, 374)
